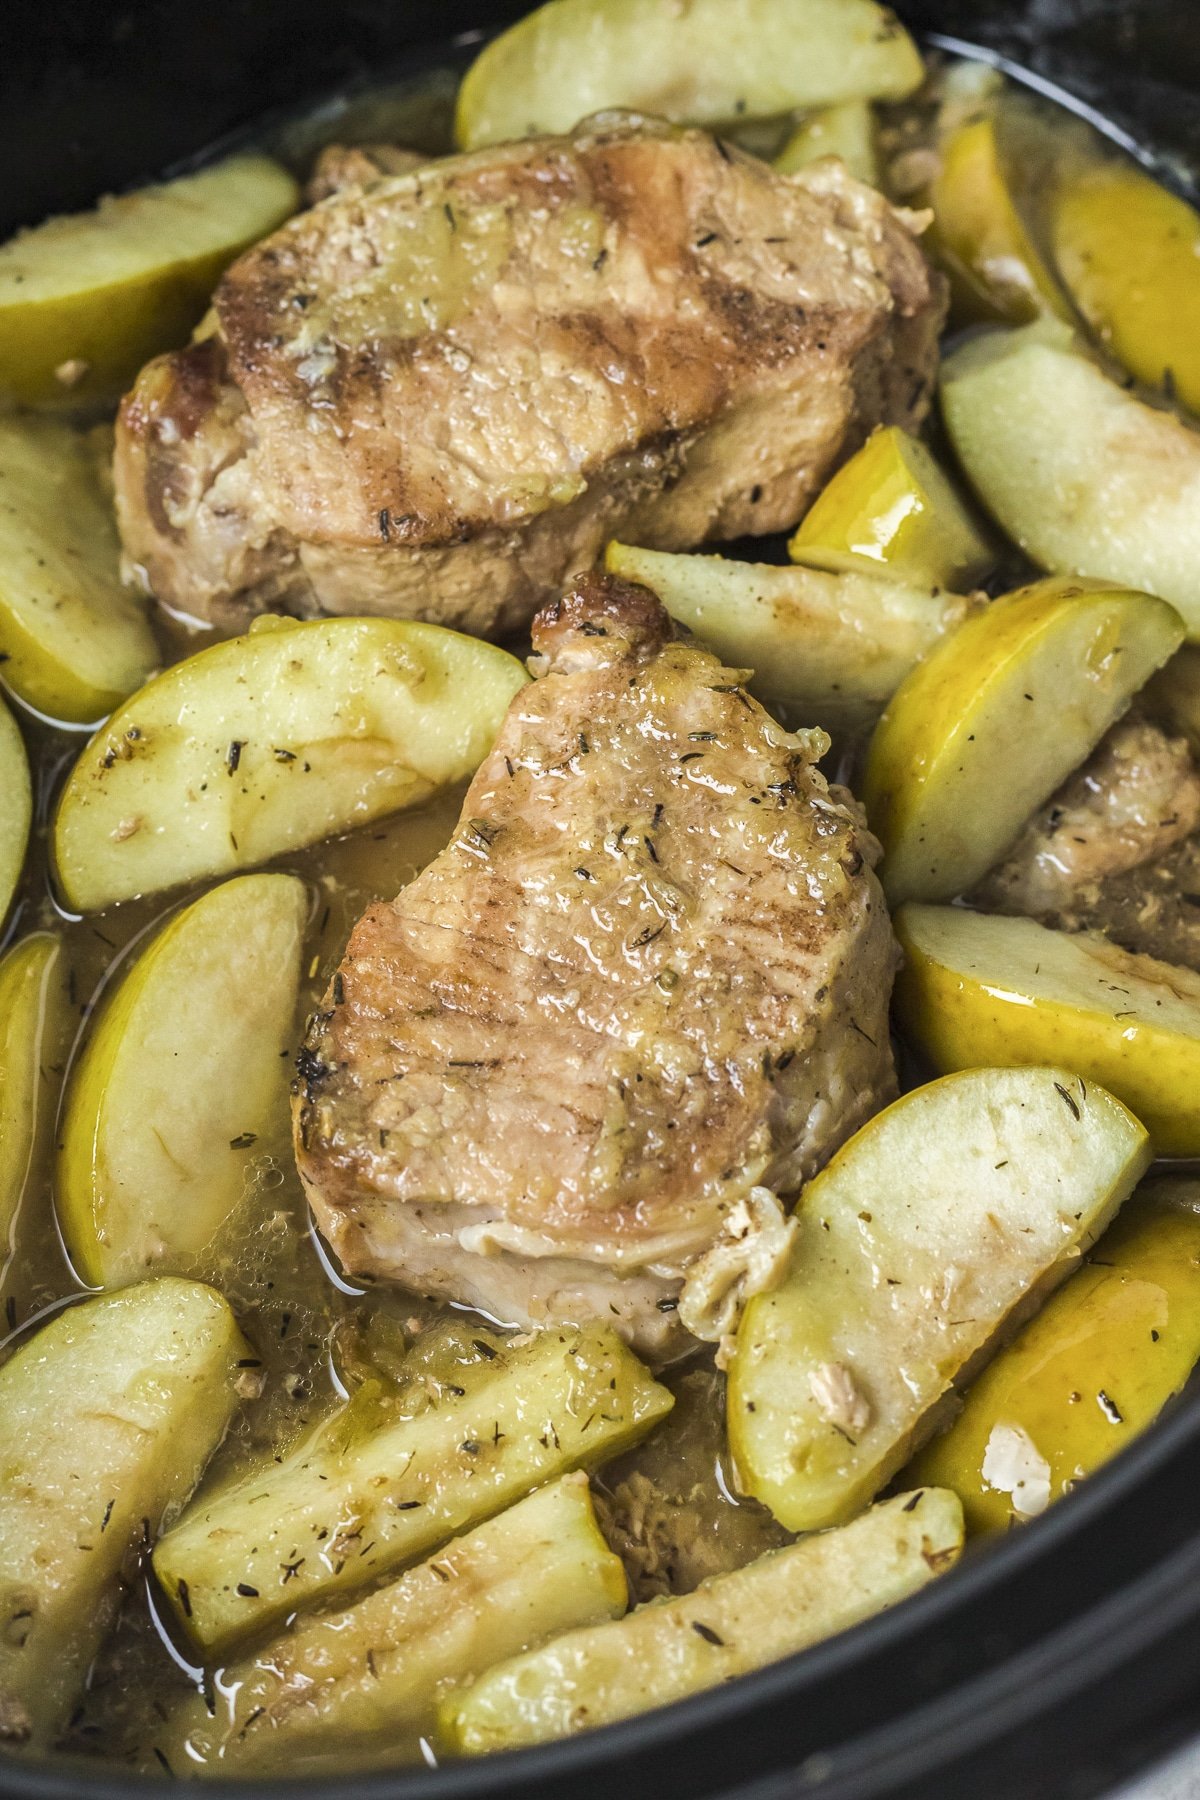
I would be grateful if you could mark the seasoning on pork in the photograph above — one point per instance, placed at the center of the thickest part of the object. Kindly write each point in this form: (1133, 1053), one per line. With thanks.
(437, 395)
(642, 994)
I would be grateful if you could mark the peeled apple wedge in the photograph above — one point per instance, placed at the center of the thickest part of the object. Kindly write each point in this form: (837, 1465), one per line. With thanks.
(976, 989)
(390, 1477)
(733, 1623)
(1094, 1369)
(700, 64)
(372, 1674)
(75, 642)
(16, 807)
(107, 1418)
(1129, 254)
(184, 1072)
(293, 733)
(933, 1231)
(86, 300)
(846, 130)
(1079, 472)
(825, 648)
(891, 509)
(996, 271)
(35, 1027)
(993, 721)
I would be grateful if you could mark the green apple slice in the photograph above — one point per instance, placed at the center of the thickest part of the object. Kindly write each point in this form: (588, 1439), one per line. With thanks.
(934, 1230)
(16, 807)
(846, 130)
(995, 269)
(1129, 252)
(184, 1071)
(107, 1418)
(85, 300)
(825, 649)
(293, 733)
(700, 64)
(1094, 1369)
(1083, 475)
(979, 989)
(372, 1673)
(993, 721)
(35, 1025)
(74, 642)
(892, 509)
(393, 1474)
(733, 1623)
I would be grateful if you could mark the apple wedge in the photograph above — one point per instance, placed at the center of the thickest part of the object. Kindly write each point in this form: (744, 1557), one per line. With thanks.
(35, 1035)
(825, 649)
(372, 1674)
(994, 720)
(1079, 472)
(892, 510)
(185, 1070)
(978, 989)
(107, 1418)
(733, 1623)
(1129, 254)
(940, 1225)
(846, 130)
(85, 300)
(74, 642)
(1094, 1369)
(293, 733)
(699, 64)
(995, 269)
(16, 807)
(393, 1474)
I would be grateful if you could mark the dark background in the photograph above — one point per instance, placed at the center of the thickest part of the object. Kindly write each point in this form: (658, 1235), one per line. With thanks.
(97, 96)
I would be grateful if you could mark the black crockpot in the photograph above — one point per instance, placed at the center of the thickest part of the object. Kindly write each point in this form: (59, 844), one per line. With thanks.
(1051, 1667)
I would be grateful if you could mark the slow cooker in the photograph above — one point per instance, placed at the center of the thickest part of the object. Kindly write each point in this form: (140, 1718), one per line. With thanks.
(1067, 1658)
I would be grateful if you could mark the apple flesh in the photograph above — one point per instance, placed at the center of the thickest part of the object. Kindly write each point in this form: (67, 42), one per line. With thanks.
(16, 807)
(1092, 1370)
(979, 989)
(893, 510)
(1085, 477)
(995, 718)
(292, 733)
(183, 1079)
(932, 1233)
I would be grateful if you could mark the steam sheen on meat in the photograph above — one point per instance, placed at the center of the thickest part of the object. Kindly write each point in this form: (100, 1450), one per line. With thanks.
(642, 993)
(438, 393)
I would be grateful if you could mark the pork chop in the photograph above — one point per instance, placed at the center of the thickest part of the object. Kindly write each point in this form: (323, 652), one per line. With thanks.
(438, 395)
(642, 993)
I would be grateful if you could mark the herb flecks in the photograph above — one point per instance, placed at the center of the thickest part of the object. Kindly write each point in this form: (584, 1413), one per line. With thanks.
(1068, 1100)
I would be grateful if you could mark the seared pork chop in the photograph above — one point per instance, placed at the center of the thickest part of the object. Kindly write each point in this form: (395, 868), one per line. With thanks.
(438, 395)
(642, 993)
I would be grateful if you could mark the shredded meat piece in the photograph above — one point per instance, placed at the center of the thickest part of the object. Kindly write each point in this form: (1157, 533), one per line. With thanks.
(1135, 799)
(663, 1507)
(342, 166)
